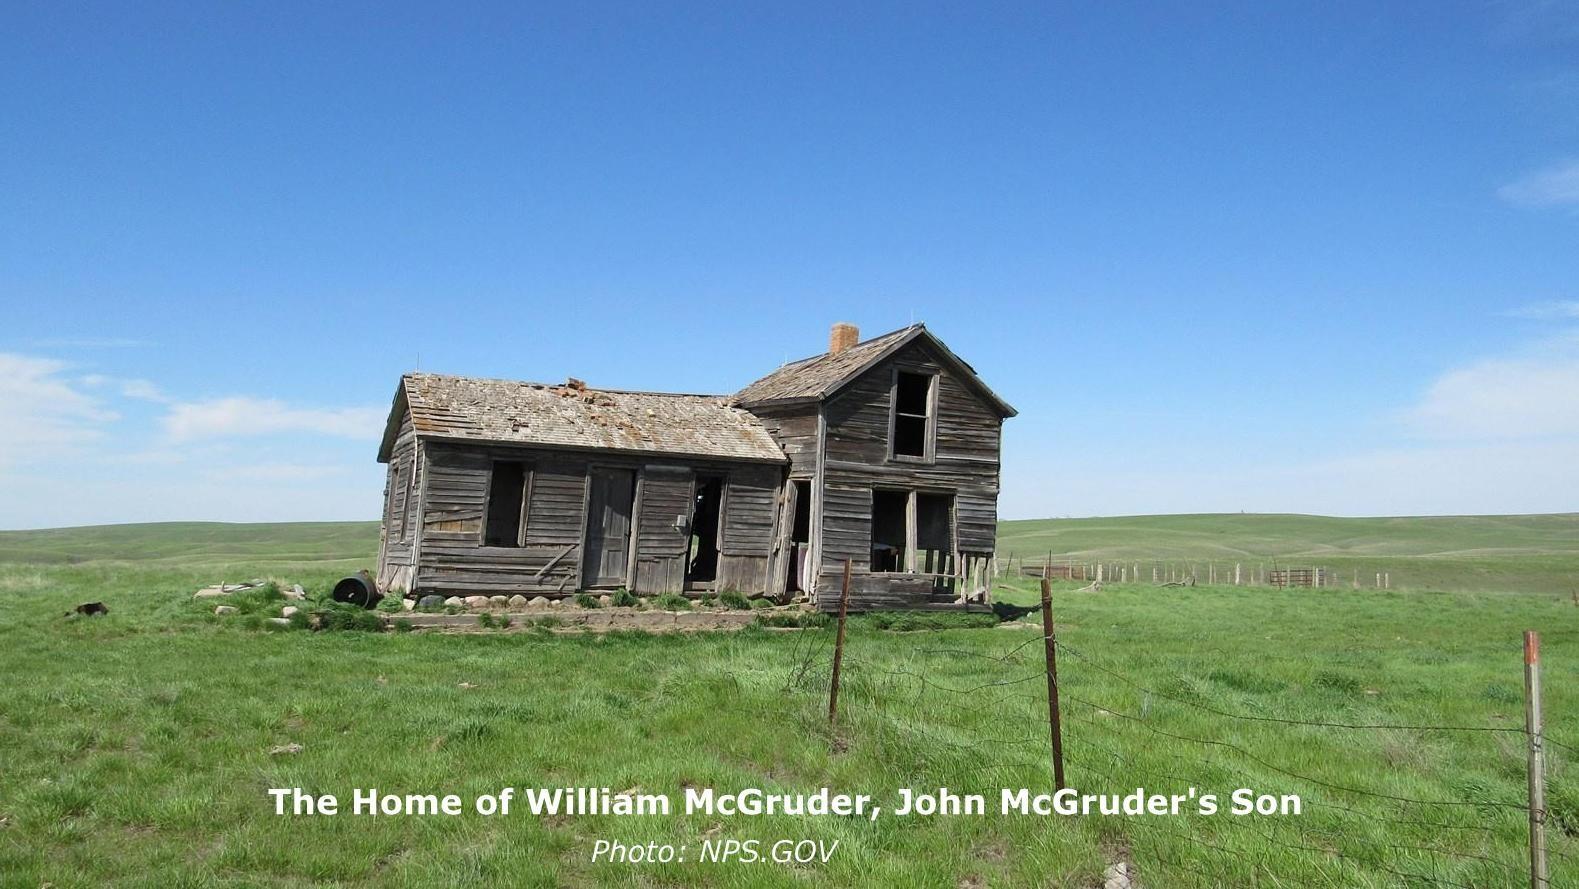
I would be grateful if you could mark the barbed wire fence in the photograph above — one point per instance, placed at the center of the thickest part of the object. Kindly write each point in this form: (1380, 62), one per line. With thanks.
(1114, 744)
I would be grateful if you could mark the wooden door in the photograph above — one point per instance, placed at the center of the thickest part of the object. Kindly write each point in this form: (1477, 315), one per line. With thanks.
(663, 529)
(609, 526)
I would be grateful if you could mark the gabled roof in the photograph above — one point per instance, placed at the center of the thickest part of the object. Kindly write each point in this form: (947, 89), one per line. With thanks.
(574, 416)
(820, 376)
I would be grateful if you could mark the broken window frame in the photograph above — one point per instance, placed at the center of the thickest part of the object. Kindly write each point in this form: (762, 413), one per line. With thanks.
(525, 495)
(929, 418)
(911, 552)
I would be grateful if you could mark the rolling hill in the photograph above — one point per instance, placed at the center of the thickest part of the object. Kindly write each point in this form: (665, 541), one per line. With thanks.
(1514, 552)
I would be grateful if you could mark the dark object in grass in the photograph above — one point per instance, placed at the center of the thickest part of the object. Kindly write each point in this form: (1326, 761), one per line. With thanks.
(1006, 612)
(358, 589)
(89, 609)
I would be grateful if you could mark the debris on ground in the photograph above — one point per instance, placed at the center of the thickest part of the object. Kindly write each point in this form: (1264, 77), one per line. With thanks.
(225, 589)
(1118, 876)
(286, 749)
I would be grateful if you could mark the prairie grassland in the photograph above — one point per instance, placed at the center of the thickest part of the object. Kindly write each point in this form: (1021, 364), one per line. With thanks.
(1535, 553)
(135, 749)
(1518, 553)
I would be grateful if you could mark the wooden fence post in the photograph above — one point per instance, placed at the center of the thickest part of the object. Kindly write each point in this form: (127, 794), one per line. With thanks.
(1533, 728)
(838, 646)
(1054, 726)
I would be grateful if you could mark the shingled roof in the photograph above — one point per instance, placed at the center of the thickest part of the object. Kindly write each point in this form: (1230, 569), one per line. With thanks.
(572, 415)
(820, 376)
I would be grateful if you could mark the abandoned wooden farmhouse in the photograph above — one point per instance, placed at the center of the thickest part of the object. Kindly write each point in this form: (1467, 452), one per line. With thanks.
(883, 452)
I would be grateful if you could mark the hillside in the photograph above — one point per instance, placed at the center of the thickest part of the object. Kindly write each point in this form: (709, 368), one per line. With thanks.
(1529, 552)
(1520, 552)
(194, 542)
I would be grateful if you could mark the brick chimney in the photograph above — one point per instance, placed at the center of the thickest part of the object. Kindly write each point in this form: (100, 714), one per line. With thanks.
(842, 337)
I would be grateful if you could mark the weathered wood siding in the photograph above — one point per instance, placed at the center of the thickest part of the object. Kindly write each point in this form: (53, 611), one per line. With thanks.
(747, 543)
(795, 429)
(397, 531)
(452, 559)
(665, 493)
(965, 464)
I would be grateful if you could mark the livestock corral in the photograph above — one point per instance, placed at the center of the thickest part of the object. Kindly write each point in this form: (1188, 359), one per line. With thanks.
(141, 744)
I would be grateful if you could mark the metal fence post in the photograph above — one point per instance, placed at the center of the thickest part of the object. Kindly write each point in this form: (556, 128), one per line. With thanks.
(1053, 716)
(1533, 728)
(838, 646)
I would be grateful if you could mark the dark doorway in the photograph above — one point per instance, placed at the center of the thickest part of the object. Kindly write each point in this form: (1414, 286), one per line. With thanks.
(701, 563)
(800, 537)
(935, 539)
(609, 526)
(889, 529)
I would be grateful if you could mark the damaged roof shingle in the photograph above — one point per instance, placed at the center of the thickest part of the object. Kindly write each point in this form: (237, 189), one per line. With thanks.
(573, 415)
(812, 378)
(820, 376)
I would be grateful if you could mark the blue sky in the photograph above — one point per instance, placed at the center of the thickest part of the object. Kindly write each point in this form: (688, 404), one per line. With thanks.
(1271, 257)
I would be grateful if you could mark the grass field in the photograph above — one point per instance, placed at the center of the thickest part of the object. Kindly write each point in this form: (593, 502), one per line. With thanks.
(1531, 553)
(136, 748)
(1536, 553)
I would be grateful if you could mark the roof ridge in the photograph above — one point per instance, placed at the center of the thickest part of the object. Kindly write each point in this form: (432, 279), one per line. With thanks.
(866, 342)
(542, 385)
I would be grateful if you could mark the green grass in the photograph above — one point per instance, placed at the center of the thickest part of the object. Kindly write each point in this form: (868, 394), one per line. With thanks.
(1534, 553)
(137, 746)
(189, 543)
(135, 749)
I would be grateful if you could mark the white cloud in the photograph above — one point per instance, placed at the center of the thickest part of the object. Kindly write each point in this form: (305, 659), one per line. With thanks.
(1552, 310)
(90, 342)
(242, 416)
(43, 411)
(1449, 479)
(1528, 396)
(1496, 435)
(142, 390)
(1553, 186)
(180, 459)
(274, 472)
(57, 499)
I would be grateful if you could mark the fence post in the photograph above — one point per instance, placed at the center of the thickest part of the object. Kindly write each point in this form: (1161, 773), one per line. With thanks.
(1054, 725)
(1533, 728)
(838, 646)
